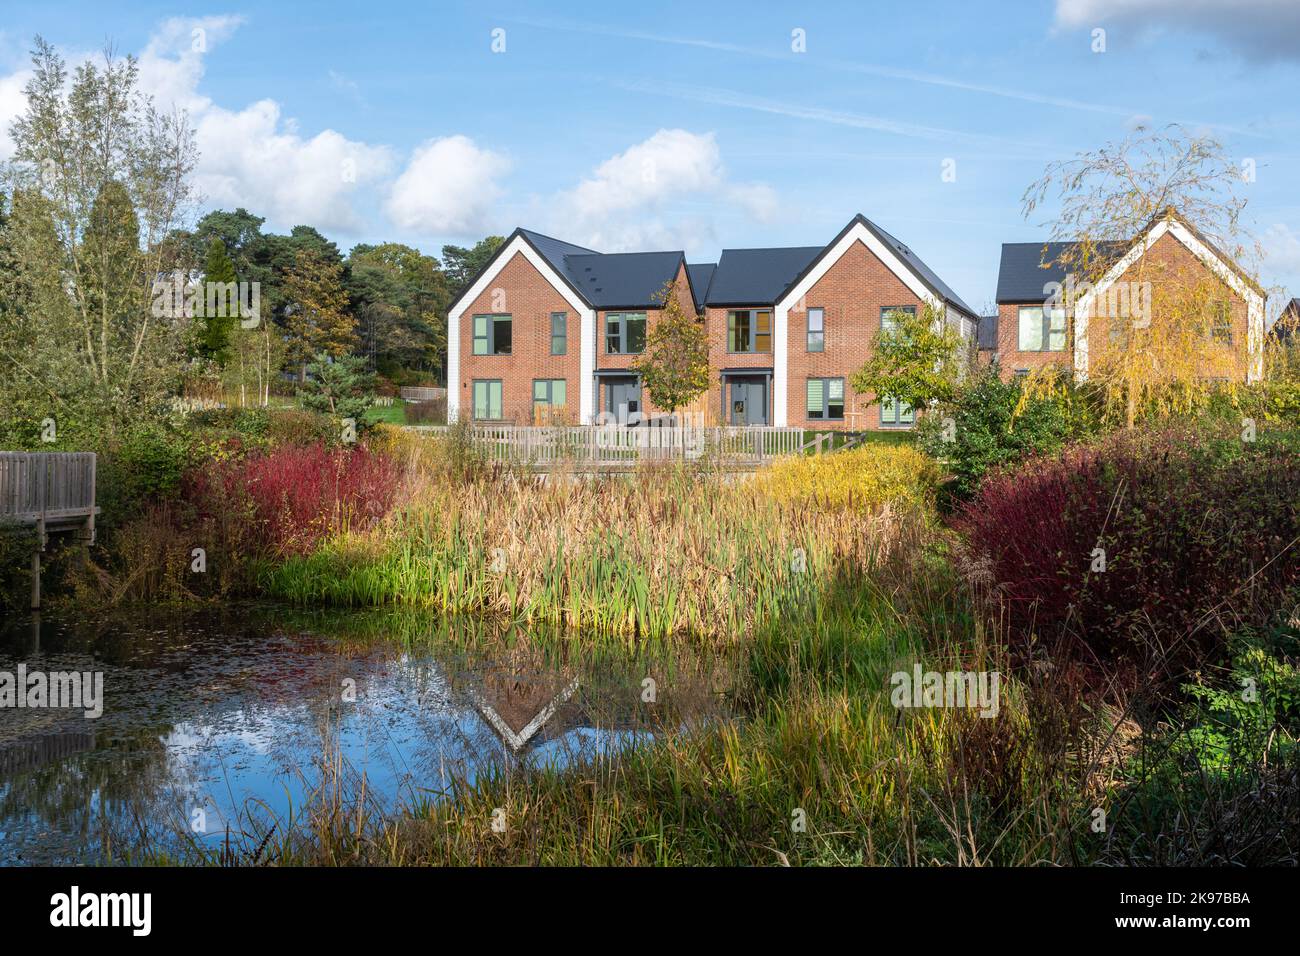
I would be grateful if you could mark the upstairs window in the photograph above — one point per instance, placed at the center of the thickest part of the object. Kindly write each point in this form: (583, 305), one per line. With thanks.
(625, 333)
(816, 330)
(492, 334)
(749, 330)
(1221, 324)
(559, 333)
(890, 317)
(1041, 330)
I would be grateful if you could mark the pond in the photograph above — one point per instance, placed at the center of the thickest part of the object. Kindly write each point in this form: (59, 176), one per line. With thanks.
(229, 721)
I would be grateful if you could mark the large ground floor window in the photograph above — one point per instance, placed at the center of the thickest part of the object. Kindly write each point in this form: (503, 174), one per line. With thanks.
(825, 399)
(549, 395)
(894, 414)
(487, 399)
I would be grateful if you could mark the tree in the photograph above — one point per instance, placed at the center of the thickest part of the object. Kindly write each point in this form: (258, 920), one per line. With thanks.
(340, 387)
(1162, 357)
(917, 360)
(100, 179)
(400, 298)
(215, 331)
(462, 265)
(318, 318)
(674, 367)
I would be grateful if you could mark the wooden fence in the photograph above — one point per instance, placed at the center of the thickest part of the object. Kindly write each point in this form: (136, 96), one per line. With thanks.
(421, 393)
(615, 446)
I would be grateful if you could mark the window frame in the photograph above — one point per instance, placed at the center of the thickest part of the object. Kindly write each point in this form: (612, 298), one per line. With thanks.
(887, 310)
(489, 337)
(1221, 323)
(897, 421)
(562, 318)
(820, 331)
(825, 414)
(622, 319)
(473, 399)
(549, 401)
(752, 334)
(1046, 318)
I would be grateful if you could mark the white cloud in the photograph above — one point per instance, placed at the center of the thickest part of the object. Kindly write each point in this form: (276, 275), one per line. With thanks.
(253, 157)
(12, 104)
(618, 207)
(1269, 29)
(1282, 251)
(449, 186)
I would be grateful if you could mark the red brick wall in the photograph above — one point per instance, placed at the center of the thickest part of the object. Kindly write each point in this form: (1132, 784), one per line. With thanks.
(853, 291)
(520, 290)
(682, 292)
(1012, 359)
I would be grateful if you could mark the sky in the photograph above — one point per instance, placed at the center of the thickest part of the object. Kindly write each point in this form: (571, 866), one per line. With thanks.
(695, 126)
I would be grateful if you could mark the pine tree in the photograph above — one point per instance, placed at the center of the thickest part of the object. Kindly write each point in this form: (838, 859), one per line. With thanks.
(214, 340)
(318, 317)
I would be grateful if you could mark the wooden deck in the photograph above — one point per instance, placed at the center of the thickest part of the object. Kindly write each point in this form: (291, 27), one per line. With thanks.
(53, 492)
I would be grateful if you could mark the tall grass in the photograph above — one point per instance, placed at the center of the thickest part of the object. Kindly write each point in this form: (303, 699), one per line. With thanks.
(666, 551)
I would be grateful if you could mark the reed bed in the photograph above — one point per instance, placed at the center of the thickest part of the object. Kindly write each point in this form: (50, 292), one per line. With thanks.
(664, 552)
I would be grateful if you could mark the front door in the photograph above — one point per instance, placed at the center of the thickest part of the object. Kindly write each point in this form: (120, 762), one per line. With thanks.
(623, 399)
(747, 401)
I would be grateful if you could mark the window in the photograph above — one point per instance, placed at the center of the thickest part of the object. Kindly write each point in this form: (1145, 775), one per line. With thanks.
(487, 398)
(749, 330)
(559, 333)
(826, 399)
(1221, 326)
(548, 391)
(492, 335)
(1041, 330)
(896, 414)
(889, 317)
(816, 330)
(624, 333)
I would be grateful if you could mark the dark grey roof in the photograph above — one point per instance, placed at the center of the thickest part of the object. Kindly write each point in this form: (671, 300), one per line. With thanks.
(1021, 276)
(757, 276)
(701, 274)
(623, 280)
(926, 274)
(986, 332)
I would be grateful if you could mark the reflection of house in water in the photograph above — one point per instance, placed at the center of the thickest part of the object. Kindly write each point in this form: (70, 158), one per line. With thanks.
(519, 707)
(526, 706)
(19, 756)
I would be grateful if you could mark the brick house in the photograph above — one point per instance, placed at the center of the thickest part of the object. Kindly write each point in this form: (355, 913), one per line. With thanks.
(548, 323)
(1033, 329)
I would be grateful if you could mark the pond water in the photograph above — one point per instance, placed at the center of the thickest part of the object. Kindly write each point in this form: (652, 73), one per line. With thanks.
(231, 720)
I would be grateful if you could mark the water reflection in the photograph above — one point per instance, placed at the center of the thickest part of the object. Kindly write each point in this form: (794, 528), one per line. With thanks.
(232, 719)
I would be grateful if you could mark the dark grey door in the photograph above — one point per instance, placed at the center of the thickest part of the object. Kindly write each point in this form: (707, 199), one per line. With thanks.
(623, 398)
(748, 402)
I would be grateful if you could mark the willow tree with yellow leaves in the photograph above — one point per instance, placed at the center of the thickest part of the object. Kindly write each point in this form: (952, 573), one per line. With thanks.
(1153, 327)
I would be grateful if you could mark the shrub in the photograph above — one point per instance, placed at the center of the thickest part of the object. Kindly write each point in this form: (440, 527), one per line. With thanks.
(295, 496)
(861, 480)
(432, 412)
(1194, 533)
(997, 424)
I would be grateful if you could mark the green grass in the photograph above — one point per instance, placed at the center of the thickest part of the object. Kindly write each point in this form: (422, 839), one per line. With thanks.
(394, 414)
(840, 439)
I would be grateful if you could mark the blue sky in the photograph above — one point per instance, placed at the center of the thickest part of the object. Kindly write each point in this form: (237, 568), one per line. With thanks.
(694, 125)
